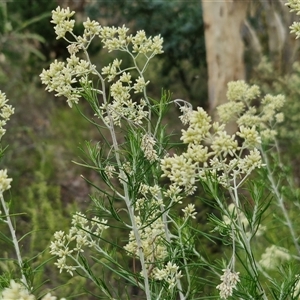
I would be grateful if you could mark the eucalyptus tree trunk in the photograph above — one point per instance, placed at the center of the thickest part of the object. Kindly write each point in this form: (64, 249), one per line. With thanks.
(223, 21)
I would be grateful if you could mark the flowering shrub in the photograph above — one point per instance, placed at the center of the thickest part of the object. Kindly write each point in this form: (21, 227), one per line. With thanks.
(161, 191)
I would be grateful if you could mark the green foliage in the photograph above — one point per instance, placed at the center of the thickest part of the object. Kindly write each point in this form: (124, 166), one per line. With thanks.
(14, 32)
(32, 16)
(246, 225)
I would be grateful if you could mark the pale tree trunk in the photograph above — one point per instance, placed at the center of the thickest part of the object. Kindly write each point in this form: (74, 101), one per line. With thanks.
(223, 22)
(277, 32)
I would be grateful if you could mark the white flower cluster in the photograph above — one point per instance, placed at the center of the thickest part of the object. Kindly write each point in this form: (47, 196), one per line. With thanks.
(110, 171)
(250, 136)
(117, 39)
(152, 238)
(199, 125)
(185, 110)
(5, 112)
(273, 257)
(189, 211)
(229, 281)
(61, 17)
(212, 152)
(241, 109)
(82, 234)
(71, 79)
(173, 193)
(16, 291)
(147, 146)
(122, 106)
(294, 5)
(113, 69)
(170, 273)
(296, 292)
(63, 78)
(180, 170)
(4, 181)
(295, 28)
(151, 228)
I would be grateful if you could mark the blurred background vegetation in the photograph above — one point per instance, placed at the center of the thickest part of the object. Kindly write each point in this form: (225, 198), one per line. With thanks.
(44, 135)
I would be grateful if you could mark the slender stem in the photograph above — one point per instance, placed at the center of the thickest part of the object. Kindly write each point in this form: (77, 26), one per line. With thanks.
(245, 240)
(280, 201)
(130, 209)
(208, 264)
(165, 221)
(14, 238)
(88, 275)
(185, 266)
(131, 213)
(233, 247)
(144, 89)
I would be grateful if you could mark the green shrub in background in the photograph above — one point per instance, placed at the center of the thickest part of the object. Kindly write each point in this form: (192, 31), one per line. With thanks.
(144, 186)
